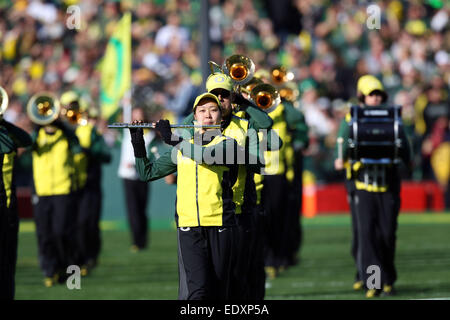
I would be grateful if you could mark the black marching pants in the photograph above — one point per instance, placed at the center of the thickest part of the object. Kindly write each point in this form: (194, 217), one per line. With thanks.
(257, 275)
(294, 234)
(88, 233)
(349, 185)
(205, 261)
(9, 228)
(274, 199)
(55, 219)
(242, 259)
(377, 214)
(136, 195)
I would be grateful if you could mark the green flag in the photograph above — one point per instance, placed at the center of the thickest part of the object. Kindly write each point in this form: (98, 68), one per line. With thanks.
(116, 67)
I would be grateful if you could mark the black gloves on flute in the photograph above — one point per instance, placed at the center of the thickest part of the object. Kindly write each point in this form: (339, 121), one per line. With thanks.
(137, 140)
(164, 129)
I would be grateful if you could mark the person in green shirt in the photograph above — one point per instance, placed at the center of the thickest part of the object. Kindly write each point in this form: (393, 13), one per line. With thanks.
(207, 168)
(11, 138)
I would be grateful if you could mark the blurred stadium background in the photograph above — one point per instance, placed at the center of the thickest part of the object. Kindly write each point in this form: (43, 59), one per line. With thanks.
(326, 44)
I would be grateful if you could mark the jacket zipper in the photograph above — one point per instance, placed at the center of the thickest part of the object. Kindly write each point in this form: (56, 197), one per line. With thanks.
(196, 193)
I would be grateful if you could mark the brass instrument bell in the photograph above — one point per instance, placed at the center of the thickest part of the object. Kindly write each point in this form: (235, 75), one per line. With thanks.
(4, 100)
(280, 75)
(239, 68)
(43, 108)
(265, 97)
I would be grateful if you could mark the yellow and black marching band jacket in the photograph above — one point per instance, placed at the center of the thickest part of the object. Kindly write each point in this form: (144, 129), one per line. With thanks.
(204, 188)
(11, 138)
(243, 127)
(237, 129)
(94, 150)
(289, 124)
(53, 160)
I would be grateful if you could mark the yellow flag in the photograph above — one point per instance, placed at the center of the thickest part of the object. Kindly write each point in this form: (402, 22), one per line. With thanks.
(116, 67)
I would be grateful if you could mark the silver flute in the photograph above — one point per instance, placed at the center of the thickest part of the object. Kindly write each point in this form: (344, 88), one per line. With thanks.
(152, 126)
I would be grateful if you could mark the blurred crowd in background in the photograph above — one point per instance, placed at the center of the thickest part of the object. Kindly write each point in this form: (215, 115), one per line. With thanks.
(327, 45)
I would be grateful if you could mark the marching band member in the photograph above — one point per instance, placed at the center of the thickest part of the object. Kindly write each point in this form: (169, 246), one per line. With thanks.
(370, 92)
(205, 215)
(282, 222)
(242, 128)
(11, 138)
(53, 148)
(376, 203)
(87, 164)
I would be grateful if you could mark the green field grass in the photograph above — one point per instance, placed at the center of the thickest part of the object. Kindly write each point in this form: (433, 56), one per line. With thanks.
(325, 270)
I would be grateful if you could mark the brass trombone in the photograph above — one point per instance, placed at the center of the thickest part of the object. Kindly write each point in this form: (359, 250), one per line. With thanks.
(289, 92)
(265, 97)
(238, 67)
(73, 116)
(250, 85)
(4, 100)
(43, 108)
(241, 70)
(280, 75)
(71, 109)
(281, 78)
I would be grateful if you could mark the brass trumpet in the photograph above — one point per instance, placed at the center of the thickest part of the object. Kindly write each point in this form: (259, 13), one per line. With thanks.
(4, 100)
(43, 108)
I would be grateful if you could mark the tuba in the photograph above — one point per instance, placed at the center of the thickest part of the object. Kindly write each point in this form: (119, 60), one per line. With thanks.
(43, 108)
(4, 100)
